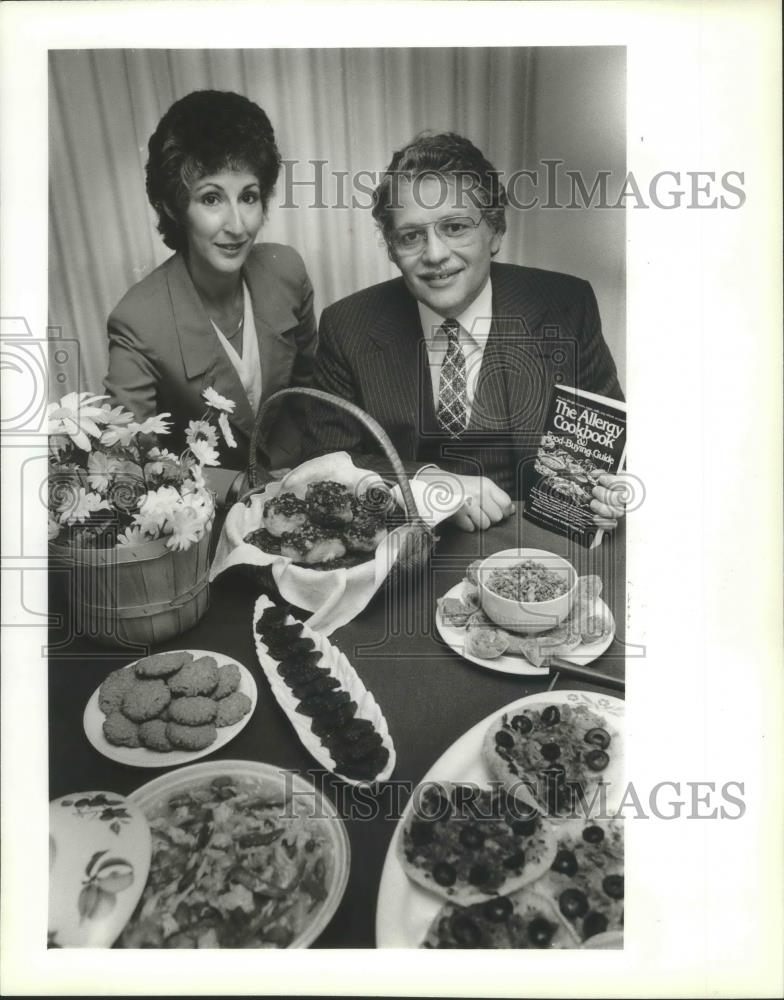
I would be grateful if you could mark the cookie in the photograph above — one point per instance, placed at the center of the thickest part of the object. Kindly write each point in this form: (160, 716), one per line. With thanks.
(162, 664)
(145, 700)
(113, 690)
(120, 731)
(232, 708)
(190, 737)
(198, 677)
(228, 680)
(152, 735)
(192, 711)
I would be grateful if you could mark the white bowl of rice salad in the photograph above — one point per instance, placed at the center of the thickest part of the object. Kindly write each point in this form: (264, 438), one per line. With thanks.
(526, 590)
(244, 855)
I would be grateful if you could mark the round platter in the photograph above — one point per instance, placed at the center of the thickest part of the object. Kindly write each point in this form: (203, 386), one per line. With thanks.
(405, 910)
(142, 757)
(586, 653)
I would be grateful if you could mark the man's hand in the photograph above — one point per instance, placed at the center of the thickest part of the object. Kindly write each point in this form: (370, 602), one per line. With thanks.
(484, 503)
(609, 501)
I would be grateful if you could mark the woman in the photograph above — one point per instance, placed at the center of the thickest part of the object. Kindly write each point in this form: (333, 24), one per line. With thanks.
(222, 311)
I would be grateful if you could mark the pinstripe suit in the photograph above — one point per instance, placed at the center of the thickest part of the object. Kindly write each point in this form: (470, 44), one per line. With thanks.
(545, 328)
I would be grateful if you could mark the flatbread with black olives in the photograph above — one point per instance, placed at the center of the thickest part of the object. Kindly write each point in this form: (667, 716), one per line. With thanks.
(522, 920)
(470, 844)
(586, 880)
(552, 756)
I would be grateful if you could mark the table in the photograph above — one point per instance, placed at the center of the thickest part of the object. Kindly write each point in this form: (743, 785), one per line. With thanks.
(429, 694)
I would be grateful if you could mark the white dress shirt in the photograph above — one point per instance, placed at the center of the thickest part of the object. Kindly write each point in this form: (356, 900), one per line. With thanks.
(475, 324)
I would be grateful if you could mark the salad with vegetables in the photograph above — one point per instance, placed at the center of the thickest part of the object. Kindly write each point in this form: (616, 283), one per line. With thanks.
(235, 864)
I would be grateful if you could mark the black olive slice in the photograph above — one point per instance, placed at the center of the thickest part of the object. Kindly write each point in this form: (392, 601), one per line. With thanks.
(551, 716)
(497, 910)
(598, 738)
(565, 863)
(593, 835)
(550, 751)
(444, 874)
(504, 739)
(597, 760)
(573, 903)
(522, 724)
(540, 932)
(613, 886)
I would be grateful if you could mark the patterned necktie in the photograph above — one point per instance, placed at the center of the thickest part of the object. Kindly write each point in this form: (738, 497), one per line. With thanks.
(452, 411)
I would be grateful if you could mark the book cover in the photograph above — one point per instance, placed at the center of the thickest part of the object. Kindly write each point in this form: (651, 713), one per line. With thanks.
(584, 436)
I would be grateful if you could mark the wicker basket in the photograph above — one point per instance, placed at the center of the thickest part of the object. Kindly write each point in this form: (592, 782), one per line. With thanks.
(418, 540)
(142, 594)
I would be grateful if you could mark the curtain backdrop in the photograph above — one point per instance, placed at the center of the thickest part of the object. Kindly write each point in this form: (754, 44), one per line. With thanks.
(350, 108)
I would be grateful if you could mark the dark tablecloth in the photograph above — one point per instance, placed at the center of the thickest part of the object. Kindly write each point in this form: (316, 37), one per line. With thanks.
(428, 693)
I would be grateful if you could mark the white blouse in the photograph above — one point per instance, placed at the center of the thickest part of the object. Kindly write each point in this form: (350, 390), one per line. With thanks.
(248, 367)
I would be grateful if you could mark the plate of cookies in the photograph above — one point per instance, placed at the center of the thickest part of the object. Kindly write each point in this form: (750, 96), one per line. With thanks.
(170, 708)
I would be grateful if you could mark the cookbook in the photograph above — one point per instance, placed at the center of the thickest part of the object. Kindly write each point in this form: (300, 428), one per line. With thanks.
(584, 436)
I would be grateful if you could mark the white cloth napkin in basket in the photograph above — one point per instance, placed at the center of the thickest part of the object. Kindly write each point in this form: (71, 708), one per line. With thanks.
(334, 596)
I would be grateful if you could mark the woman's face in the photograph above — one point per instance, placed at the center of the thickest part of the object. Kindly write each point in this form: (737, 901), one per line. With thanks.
(222, 220)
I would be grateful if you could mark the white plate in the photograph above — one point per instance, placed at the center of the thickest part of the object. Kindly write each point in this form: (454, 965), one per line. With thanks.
(404, 910)
(142, 757)
(147, 796)
(583, 654)
(99, 857)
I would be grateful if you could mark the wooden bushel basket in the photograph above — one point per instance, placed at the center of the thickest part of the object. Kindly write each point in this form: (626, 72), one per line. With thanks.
(141, 594)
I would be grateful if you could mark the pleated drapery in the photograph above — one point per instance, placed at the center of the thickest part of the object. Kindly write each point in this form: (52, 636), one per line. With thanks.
(336, 113)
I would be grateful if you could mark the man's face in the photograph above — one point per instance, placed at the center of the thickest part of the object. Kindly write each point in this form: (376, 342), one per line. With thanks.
(444, 276)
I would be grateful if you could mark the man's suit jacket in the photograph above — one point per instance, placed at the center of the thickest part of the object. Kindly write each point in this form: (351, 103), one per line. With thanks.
(163, 350)
(545, 329)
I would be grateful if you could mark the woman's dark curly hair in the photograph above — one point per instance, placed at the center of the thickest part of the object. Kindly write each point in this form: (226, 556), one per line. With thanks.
(204, 133)
(442, 155)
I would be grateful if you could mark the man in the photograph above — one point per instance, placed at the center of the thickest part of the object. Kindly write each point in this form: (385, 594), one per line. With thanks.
(456, 357)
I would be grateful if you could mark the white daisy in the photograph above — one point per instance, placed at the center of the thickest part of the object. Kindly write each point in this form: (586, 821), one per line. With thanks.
(114, 415)
(155, 507)
(80, 507)
(201, 430)
(133, 536)
(77, 416)
(205, 453)
(100, 467)
(117, 434)
(185, 527)
(156, 424)
(218, 402)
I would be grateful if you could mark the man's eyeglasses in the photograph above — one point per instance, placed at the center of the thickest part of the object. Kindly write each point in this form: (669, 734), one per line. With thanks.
(457, 231)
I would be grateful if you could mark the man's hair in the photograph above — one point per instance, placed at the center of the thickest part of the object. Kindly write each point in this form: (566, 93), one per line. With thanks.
(444, 155)
(204, 133)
